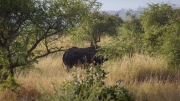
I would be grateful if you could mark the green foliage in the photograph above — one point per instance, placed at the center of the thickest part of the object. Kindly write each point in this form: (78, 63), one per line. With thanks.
(112, 50)
(6, 80)
(156, 14)
(171, 46)
(154, 20)
(174, 50)
(154, 32)
(90, 86)
(161, 26)
(128, 40)
(97, 24)
(27, 25)
(115, 93)
(10, 83)
(131, 34)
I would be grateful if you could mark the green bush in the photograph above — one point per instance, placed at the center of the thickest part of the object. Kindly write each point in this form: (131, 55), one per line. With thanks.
(90, 86)
(154, 32)
(162, 28)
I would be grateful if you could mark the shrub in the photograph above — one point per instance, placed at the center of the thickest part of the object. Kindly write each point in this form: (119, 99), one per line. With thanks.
(90, 86)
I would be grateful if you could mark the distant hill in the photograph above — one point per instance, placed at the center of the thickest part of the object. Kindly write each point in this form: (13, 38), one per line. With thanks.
(122, 12)
(138, 11)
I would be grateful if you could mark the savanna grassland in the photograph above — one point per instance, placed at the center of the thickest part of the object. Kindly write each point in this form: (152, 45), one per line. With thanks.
(146, 77)
(143, 52)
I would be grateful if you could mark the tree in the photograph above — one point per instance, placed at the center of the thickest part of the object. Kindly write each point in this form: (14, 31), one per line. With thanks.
(129, 38)
(171, 45)
(26, 24)
(154, 19)
(98, 24)
(161, 23)
(131, 34)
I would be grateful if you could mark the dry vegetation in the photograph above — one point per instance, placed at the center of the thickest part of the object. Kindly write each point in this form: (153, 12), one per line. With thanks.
(147, 78)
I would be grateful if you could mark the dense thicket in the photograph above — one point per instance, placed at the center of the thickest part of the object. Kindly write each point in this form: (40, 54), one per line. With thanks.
(162, 29)
(155, 32)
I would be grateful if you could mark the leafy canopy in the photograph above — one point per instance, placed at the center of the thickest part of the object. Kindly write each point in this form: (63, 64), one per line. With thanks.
(96, 25)
(27, 24)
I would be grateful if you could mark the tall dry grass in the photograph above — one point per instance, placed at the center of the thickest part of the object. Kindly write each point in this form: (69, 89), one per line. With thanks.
(147, 78)
(49, 73)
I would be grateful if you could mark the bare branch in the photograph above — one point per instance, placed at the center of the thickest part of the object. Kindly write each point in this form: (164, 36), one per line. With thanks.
(46, 54)
(44, 36)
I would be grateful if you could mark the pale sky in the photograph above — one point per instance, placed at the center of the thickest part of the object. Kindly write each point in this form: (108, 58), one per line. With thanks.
(132, 4)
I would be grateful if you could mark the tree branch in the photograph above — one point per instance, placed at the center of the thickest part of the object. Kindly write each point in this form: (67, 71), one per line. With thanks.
(45, 35)
(46, 54)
